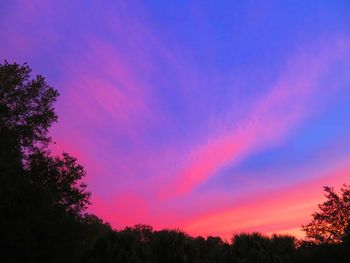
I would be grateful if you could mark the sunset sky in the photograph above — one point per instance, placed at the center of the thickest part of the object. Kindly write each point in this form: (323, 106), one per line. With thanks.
(213, 117)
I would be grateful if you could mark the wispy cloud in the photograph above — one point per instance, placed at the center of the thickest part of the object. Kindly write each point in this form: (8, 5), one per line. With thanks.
(278, 211)
(272, 118)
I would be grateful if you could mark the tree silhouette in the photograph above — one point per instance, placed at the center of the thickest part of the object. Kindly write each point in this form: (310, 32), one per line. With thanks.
(346, 236)
(59, 180)
(26, 105)
(329, 224)
(42, 199)
(256, 247)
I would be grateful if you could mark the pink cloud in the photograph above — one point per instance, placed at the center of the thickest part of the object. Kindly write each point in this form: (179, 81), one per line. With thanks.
(281, 211)
(125, 209)
(269, 122)
(103, 78)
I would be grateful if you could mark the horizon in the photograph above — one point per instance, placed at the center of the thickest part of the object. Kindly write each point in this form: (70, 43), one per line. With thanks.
(212, 118)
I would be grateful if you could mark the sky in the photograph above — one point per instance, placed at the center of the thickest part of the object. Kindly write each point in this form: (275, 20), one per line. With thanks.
(213, 117)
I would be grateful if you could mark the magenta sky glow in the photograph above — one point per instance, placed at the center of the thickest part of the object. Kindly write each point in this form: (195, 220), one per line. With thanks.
(209, 116)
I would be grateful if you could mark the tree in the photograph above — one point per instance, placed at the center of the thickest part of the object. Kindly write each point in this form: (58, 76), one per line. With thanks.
(329, 224)
(251, 247)
(256, 247)
(59, 181)
(26, 113)
(26, 105)
(42, 198)
(346, 236)
(169, 246)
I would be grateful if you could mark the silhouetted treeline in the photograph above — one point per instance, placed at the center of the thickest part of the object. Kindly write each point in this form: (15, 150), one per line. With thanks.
(142, 244)
(43, 202)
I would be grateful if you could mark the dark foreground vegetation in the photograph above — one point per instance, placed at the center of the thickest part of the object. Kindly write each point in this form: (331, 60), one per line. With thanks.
(43, 203)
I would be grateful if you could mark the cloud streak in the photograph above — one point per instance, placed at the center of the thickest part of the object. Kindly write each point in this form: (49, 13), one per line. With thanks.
(271, 212)
(272, 118)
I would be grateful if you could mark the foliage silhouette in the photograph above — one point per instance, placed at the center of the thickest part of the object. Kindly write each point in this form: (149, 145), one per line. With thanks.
(26, 105)
(43, 202)
(329, 224)
(259, 248)
(41, 198)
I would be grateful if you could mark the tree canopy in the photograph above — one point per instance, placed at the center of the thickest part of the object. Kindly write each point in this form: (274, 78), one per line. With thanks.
(329, 224)
(42, 198)
(26, 105)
